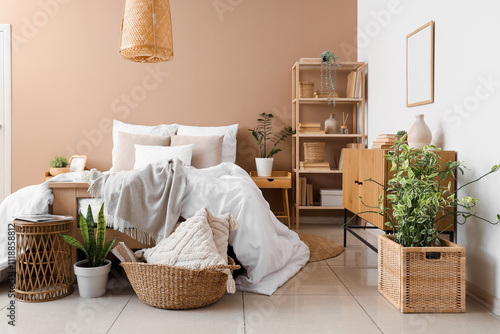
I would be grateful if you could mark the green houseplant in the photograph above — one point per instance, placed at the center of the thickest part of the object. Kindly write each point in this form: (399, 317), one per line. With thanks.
(420, 201)
(59, 165)
(263, 133)
(418, 271)
(92, 273)
(329, 65)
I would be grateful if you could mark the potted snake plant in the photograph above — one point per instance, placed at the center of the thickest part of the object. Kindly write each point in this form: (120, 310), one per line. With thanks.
(263, 133)
(92, 273)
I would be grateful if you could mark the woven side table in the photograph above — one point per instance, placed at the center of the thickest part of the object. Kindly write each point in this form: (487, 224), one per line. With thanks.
(43, 261)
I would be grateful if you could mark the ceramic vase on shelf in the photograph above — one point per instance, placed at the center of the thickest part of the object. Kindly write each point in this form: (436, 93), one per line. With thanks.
(419, 134)
(332, 125)
(264, 166)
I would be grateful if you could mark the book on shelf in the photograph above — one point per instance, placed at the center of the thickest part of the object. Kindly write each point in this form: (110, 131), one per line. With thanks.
(383, 142)
(357, 86)
(310, 125)
(381, 146)
(43, 218)
(351, 84)
(341, 159)
(303, 190)
(309, 195)
(315, 164)
(388, 136)
(311, 132)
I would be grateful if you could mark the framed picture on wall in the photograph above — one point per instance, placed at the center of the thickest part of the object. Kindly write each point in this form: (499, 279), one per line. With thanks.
(77, 163)
(420, 66)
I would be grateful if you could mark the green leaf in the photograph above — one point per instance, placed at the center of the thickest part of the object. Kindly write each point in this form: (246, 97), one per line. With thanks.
(105, 250)
(73, 242)
(84, 232)
(101, 230)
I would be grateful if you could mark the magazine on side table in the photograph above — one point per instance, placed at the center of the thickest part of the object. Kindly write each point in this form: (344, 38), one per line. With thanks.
(43, 218)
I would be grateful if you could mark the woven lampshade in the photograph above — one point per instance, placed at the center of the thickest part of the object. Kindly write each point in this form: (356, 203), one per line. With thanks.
(147, 31)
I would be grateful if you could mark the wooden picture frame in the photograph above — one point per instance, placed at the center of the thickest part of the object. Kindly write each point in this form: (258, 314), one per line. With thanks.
(77, 163)
(420, 66)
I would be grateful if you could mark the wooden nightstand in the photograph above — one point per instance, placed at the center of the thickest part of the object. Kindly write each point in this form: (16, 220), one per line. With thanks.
(277, 180)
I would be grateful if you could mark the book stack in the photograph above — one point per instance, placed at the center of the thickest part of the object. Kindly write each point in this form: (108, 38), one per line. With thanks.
(384, 141)
(306, 192)
(354, 85)
(310, 128)
(325, 165)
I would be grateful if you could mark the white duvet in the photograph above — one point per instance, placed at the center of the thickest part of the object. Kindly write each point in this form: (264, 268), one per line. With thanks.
(269, 251)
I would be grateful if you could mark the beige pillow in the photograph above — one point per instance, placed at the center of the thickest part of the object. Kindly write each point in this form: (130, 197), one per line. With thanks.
(125, 150)
(207, 150)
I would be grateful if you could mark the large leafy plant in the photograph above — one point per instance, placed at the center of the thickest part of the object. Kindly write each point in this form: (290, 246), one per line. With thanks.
(264, 133)
(93, 246)
(420, 199)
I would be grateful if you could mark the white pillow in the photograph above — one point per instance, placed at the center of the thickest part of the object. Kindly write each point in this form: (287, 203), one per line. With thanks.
(228, 144)
(145, 154)
(158, 130)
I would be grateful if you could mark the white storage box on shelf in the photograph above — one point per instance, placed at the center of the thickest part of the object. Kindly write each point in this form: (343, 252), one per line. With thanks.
(331, 197)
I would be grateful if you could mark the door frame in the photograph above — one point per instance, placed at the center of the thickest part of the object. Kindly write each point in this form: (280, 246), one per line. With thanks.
(7, 117)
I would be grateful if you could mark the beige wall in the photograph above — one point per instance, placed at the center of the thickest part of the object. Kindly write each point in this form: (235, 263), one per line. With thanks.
(229, 65)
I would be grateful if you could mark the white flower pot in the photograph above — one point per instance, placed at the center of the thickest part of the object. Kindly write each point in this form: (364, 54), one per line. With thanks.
(92, 281)
(264, 166)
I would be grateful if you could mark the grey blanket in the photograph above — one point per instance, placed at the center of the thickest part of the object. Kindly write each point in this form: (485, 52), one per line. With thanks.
(147, 199)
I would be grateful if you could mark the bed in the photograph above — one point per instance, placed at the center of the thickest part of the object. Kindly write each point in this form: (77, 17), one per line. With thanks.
(266, 248)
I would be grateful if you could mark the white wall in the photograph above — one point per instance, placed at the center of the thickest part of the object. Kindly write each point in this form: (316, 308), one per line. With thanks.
(465, 115)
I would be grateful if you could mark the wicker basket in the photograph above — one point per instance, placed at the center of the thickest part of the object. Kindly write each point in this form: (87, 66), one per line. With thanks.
(306, 89)
(314, 152)
(414, 281)
(177, 288)
(142, 40)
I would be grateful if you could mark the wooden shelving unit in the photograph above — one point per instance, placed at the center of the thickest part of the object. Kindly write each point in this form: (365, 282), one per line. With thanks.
(301, 107)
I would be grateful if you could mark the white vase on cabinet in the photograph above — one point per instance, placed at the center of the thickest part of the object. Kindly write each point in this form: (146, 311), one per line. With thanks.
(419, 134)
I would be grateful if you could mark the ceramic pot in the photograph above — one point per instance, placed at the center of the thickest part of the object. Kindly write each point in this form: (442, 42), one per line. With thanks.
(332, 125)
(264, 166)
(57, 171)
(92, 281)
(419, 134)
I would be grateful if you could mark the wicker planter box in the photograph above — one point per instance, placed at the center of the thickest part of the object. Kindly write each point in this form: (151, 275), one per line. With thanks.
(422, 279)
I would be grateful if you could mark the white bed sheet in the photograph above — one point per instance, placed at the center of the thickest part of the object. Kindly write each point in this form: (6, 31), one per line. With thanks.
(269, 251)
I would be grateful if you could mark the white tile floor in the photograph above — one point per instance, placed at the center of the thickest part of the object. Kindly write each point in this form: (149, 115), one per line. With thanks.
(334, 296)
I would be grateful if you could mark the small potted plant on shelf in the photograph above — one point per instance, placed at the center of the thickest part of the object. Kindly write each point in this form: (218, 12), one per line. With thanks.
(262, 134)
(92, 273)
(419, 271)
(329, 64)
(59, 165)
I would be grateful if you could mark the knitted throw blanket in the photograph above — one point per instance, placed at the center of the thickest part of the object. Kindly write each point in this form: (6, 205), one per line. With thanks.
(143, 203)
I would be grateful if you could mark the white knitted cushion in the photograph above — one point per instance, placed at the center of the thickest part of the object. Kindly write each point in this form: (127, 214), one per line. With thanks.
(190, 246)
(221, 225)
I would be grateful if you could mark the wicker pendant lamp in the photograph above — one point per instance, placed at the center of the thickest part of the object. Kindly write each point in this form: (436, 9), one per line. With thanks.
(147, 31)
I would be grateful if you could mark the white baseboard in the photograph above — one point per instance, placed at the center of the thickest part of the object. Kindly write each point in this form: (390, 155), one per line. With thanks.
(483, 298)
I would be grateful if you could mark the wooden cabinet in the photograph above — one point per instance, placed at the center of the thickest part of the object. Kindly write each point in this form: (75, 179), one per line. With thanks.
(317, 109)
(361, 195)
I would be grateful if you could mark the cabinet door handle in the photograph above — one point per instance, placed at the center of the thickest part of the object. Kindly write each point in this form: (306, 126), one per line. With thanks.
(356, 182)
(360, 183)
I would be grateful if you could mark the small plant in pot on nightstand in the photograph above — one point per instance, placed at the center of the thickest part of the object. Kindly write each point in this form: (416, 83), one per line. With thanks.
(92, 273)
(59, 165)
(263, 133)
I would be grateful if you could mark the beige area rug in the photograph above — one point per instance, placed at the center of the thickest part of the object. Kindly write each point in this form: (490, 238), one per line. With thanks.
(320, 248)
